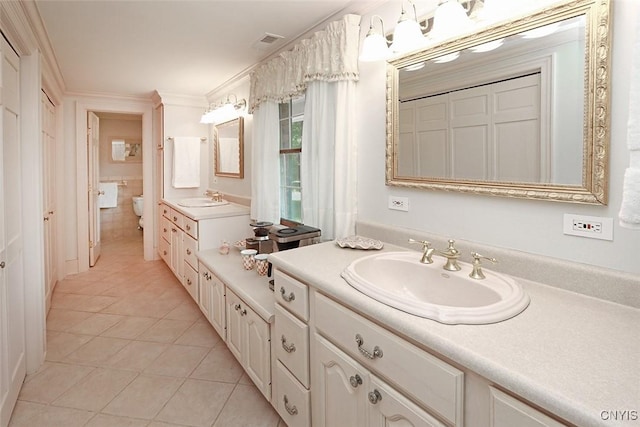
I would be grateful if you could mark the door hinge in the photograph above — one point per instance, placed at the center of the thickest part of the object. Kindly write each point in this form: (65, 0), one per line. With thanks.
(91, 244)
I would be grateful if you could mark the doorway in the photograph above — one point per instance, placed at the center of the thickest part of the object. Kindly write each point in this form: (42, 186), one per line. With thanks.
(116, 174)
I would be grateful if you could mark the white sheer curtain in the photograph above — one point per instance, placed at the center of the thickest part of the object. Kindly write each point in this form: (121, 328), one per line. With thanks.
(328, 160)
(325, 68)
(265, 158)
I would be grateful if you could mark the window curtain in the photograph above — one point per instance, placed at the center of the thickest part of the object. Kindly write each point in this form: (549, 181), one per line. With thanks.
(265, 158)
(325, 68)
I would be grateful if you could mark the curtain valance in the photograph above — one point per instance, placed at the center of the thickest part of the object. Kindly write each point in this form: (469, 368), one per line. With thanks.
(329, 55)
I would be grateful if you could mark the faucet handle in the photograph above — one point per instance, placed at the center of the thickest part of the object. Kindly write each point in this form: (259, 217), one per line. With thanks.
(427, 250)
(476, 271)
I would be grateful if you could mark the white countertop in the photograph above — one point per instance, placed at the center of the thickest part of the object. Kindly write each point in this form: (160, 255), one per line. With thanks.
(197, 214)
(571, 354)
(252, 288)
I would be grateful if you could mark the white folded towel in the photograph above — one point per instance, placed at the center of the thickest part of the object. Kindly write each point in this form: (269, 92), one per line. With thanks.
(108, 197)
(630, 209)
(186, 162)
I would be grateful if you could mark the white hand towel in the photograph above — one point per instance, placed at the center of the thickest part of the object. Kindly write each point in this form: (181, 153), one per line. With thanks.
(186, 162)
(109, 195)
(629, 214)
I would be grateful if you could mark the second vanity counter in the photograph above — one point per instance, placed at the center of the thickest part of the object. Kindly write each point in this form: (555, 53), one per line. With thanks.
(572, 355)
(200, 213)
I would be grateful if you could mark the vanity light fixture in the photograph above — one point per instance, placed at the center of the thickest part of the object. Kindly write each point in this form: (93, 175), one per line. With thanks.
(224, 112)
(450, 19)
(375, 46)
(407, 35)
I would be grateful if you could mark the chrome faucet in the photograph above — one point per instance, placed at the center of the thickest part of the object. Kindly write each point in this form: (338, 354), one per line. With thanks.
(452, 255)
(427, 251)
(476, 272)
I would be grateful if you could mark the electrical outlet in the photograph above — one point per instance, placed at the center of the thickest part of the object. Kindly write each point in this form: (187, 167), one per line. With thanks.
(399, 203)
(593, 227)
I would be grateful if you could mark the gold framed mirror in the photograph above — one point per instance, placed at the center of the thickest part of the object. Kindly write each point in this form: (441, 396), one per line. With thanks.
(229, 148)
(529, 119)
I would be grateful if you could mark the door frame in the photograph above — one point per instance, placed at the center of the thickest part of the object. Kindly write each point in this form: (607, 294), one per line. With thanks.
(82, 196)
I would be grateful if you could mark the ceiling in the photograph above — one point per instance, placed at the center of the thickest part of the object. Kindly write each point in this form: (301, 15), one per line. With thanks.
(182, 47)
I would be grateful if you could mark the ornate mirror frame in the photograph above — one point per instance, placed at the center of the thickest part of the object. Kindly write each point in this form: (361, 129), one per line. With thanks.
(596, 133)
(231, 130)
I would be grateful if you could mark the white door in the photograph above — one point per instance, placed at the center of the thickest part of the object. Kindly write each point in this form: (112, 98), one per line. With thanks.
(12, 294)
(93, 141)
(49, 205)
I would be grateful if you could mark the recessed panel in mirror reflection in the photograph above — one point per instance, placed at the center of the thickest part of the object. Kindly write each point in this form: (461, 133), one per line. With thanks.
(229, 149)
(509, 114)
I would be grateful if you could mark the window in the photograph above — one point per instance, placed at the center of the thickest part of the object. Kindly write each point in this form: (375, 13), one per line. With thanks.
(291, 120)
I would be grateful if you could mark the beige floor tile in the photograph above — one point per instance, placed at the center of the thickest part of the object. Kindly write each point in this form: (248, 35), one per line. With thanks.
(177, 361)
(92, 303)
(103, 420)
(95, 324)
(24, 411)
(245, 379)
(97, 351)
(162, 424)
(186, 311)
(61, 344)
(144, 397)
(83, 287)
(53, 416)
(137, 355)
(165, 330)
(96, 390)
(142, 306)
(52, 382)
(62, 320)
(219, 365)
(247, 407)
(196, 403)
(129, 327)
(201, 334)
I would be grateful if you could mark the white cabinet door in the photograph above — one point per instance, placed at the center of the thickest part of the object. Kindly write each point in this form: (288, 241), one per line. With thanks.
(12, 282)
(177, 259)
(234, 325)
(507, 411)
(217, 310)
(257, 351)
(340, 384)
(388, 408)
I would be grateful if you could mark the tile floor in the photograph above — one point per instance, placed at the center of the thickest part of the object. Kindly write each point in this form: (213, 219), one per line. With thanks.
(127, 346)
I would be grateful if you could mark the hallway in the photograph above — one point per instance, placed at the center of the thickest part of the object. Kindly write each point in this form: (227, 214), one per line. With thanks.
(127, 346)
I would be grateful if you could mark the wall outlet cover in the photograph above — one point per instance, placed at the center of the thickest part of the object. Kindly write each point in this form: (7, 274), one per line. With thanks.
(592, 227)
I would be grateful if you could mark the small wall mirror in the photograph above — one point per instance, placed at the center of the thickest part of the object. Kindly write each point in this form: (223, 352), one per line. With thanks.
(519, 109)
(126, 150)
(229, 148)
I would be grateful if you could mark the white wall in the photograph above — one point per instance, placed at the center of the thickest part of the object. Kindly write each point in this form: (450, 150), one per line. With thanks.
(118, 128)
(526, 225)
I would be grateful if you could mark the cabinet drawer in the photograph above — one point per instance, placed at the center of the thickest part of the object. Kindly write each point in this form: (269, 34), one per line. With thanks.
(508, 411)
(165, 229)
(165, 251)
(166, 211)
(190, 246)
(191, 281)
(292, 294)
(292, 344)
(191, 227)
(293, 402)
(177, 218)
(429, 380)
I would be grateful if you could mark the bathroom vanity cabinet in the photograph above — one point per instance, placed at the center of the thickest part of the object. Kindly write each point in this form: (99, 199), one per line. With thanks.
(370, 364)
(212, 300)
(185, 231)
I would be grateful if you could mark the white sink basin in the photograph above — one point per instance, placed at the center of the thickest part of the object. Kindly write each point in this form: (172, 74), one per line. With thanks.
(399, 280)
(200, 202)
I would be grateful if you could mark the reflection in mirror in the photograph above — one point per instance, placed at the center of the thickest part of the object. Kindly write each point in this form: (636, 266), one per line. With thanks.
(508, 111)
(229, 149)
(126, 150)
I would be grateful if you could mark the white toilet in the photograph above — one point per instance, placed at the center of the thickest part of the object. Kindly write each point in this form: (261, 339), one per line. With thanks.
(138, 207)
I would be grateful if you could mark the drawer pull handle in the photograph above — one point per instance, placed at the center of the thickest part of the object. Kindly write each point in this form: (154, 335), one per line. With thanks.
(175, 218)
(188, 251)
(165, 252)
(377, 351)
(188, 227)
(287, 298)
(164, 229)
(374, 396)
(289, 348)
(292, 410)
(237, 307)
(206, 275)
(189, 282)
(355, 380)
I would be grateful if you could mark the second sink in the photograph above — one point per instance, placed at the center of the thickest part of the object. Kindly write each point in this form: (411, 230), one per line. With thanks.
(400, 280)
